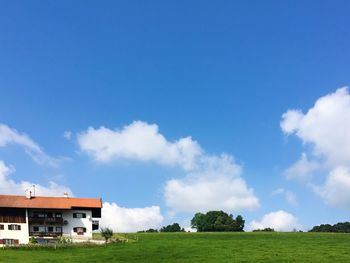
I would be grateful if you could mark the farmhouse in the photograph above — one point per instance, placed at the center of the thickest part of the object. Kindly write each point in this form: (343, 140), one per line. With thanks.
(47, 218)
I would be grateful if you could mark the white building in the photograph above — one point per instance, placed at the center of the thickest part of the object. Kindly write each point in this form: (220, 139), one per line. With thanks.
(47, 218)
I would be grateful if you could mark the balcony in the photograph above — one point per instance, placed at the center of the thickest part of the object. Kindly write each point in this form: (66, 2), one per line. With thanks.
(45, 234)
(46, 220)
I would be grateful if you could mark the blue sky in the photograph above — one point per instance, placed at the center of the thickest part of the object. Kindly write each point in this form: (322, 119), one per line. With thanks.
(222, 73)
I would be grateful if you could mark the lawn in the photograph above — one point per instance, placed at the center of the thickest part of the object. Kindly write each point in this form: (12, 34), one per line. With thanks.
(200, 247)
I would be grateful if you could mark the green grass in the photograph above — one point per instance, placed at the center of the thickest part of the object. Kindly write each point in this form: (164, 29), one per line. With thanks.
(199, 247)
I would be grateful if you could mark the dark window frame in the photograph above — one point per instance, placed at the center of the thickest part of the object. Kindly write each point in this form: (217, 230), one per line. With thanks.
(14, 227)
(75, 230)
(81, 215)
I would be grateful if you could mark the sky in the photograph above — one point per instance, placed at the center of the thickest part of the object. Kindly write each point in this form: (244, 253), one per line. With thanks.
(165, 109)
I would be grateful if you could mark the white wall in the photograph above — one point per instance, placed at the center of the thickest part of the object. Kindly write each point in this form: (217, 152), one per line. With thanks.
(22, 235)
(77, 222)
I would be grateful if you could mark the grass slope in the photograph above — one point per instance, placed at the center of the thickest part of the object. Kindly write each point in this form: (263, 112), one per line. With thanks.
(200, 247)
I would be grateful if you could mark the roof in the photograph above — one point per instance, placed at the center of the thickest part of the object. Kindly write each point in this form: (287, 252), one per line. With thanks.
(19, 201)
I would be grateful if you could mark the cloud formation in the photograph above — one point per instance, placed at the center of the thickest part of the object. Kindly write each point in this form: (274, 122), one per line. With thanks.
(336, 190)
(280, 221)
(217, 185)
(138, 141)
(11, 136)
(326, 128)
(211, 181)
(123, 219)
(8, 186)
(303, 169)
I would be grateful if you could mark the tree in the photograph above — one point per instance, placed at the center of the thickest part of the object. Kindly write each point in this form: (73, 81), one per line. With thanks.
(107, 233)
(197, 222)
(217, 221)
(239, 223)
(172, 228)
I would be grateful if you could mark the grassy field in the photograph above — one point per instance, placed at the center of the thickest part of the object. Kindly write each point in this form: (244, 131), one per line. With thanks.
(200, 247)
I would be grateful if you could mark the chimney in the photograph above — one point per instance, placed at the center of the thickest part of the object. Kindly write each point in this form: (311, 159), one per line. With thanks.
(65, 195)
(28, 193)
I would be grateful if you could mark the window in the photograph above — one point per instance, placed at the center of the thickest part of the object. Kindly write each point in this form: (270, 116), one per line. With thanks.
(49, 215)
(39, 214)
(58, 229)
(35, 229)
(79, 215)
(1, 227)
(50, 229)
(79, 230)
(9, 242)
(94, 224)
(58, 215)
(14, 227)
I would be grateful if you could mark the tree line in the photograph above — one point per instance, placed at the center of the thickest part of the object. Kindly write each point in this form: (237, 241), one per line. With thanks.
(336, 228)
(212, 221)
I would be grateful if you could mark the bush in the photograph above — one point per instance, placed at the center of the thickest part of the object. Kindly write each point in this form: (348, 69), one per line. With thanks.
(151, 230)
(107, 233)
(64, 241)
(268, 229)
(33, 241)
(172, 228)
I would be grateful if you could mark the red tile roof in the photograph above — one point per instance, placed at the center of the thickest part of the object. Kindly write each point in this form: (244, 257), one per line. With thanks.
(19, 201)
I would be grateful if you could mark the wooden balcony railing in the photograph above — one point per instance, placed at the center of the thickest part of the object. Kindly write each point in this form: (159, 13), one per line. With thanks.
(46, 220)
(45, 234)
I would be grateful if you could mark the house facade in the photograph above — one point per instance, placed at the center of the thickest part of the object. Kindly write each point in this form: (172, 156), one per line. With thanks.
(47, 218)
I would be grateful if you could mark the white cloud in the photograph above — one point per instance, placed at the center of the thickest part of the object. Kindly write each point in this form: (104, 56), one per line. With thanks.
(67, 135)
(212, 182)
(336, 190)
(326, 128)
(303, 169)
(12, 136)
(122, 219)
(291, 121)
(279, 221)
(8, 186)
(217, 186)
(138, 141)
(289, 196)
